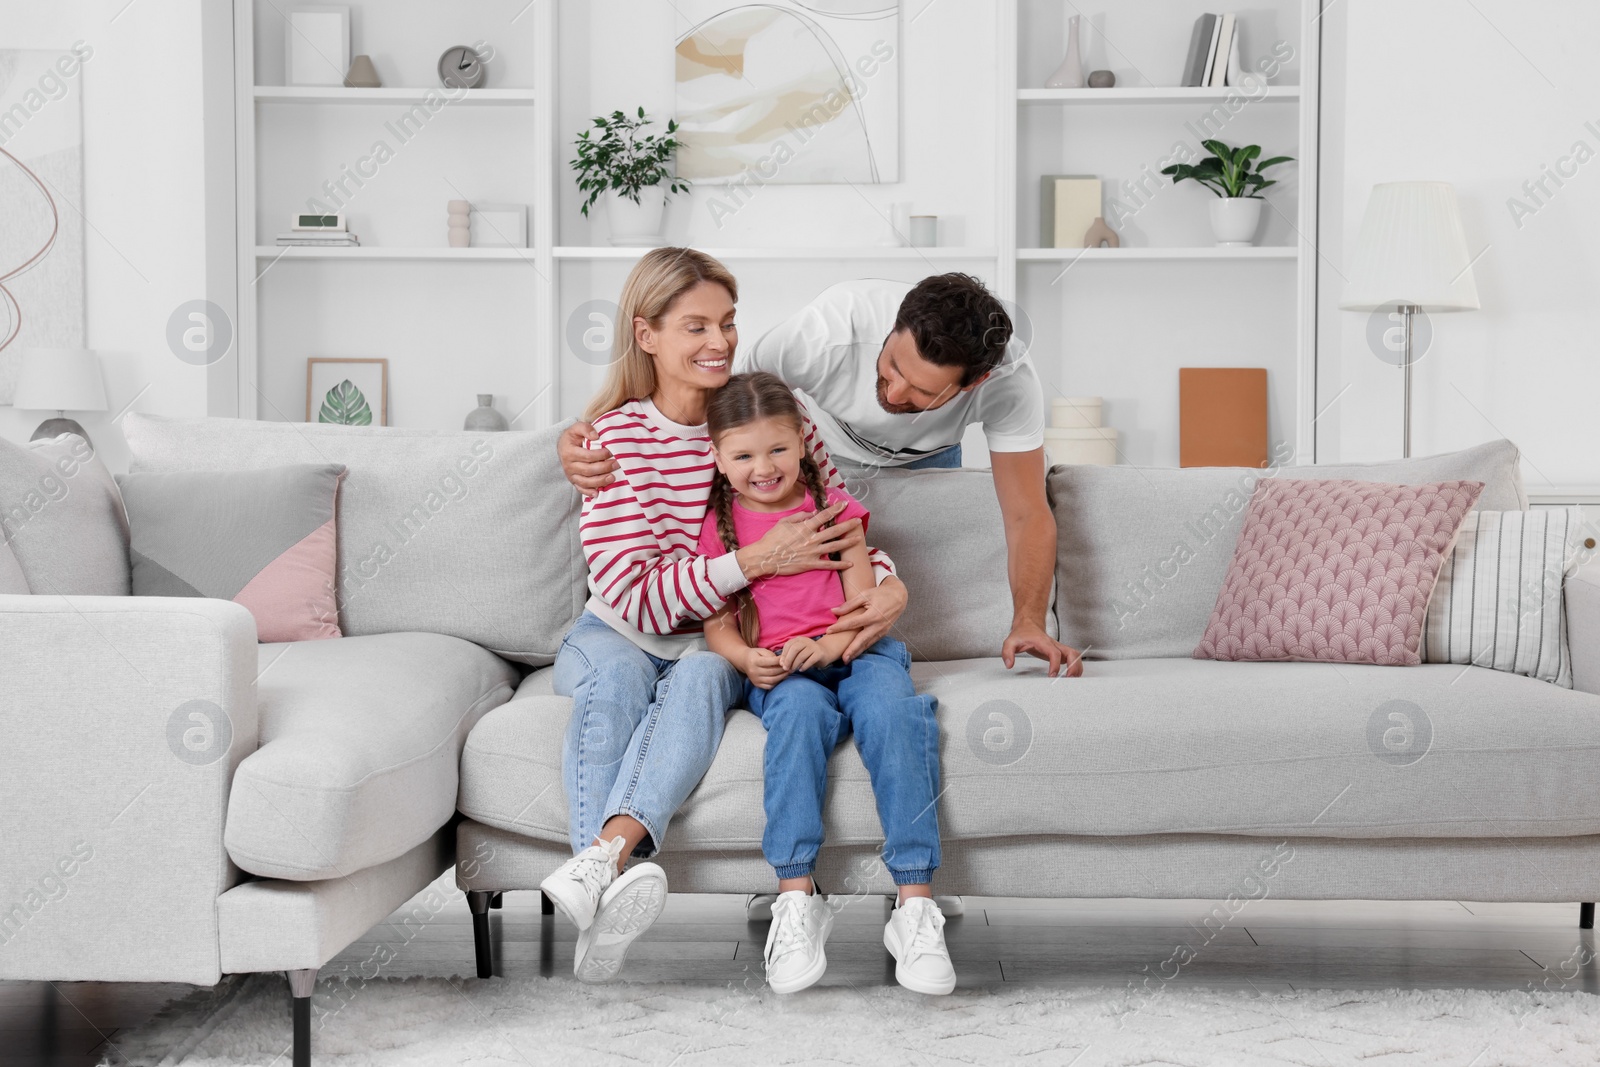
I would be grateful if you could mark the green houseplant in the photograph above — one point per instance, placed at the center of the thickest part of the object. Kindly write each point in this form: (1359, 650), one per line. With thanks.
(617, 157)
(1237, 180)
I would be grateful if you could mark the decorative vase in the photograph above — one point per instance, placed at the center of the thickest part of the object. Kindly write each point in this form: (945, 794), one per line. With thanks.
(637, 225)
(1100, 234)
(1234, 221)
(1070, 74)
(485, 417)
(362, 75)
(460, 223)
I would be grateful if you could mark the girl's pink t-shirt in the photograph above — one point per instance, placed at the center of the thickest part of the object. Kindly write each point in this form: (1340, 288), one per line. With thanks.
(788, 605)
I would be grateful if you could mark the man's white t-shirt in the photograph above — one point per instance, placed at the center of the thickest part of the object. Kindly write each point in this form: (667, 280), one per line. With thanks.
(829, 350)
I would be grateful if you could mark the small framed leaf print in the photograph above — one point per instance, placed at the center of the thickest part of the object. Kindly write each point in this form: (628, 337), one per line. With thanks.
(348, 392)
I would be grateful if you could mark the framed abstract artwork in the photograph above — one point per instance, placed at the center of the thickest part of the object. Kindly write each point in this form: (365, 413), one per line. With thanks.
(348, 392)
(794, 91)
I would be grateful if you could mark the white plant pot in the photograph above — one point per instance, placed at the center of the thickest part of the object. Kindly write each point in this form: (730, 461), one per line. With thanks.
(1234, 221)
(636, 225)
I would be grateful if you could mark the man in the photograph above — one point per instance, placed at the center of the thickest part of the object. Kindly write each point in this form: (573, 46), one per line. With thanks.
(893, 374)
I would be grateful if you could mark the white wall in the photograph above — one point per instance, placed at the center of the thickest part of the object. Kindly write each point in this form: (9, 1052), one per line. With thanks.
(1483, 95)
(143, 186)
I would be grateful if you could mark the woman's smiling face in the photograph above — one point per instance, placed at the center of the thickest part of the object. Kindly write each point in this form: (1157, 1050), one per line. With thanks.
(693, 347)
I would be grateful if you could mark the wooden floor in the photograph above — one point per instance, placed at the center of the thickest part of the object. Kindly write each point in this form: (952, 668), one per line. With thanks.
(1268, 945)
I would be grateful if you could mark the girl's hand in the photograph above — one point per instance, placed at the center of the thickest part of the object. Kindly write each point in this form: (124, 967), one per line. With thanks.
(762, 667)
(799, 544)
(802, 654)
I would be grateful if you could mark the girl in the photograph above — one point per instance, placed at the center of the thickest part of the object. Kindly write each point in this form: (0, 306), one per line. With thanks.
(649, 701)
(775, 632)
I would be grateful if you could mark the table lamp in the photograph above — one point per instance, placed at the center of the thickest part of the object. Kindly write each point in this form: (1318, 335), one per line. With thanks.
(60, 380)
(1411, 256)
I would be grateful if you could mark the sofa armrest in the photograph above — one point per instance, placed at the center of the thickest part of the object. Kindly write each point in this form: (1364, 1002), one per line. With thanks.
(1581, 593)
(121, 722)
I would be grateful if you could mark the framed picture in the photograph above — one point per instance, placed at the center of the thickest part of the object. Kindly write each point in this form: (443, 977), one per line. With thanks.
(316, 44)
(348, 392)
(499, 226)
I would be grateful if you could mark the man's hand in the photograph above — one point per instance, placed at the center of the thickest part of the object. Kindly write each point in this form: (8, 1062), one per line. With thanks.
(870, 615)
(587, 468)
(761, 666)
(1030, 637)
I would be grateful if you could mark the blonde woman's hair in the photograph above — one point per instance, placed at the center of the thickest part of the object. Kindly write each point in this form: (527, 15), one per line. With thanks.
(653, 286)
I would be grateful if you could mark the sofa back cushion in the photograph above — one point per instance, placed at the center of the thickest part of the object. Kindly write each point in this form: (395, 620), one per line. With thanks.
(473, 535)
(1142, 551)
(62, 516)
(944, 531)
(11, 578)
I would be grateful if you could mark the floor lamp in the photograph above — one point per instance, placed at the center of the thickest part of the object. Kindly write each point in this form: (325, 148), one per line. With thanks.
(1411, 256)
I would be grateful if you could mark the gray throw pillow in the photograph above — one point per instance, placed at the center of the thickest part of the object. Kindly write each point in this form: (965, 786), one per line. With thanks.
(62, 516)
(1142, 551)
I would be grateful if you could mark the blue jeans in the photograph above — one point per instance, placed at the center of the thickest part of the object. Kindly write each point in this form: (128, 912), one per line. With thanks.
(643, 731)
(947, 457)
(807, 715)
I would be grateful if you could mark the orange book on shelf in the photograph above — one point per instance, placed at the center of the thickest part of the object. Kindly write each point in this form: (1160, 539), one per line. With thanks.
(1222, 416)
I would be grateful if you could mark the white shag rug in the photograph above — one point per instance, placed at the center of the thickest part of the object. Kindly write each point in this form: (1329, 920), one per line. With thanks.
(534, 1021)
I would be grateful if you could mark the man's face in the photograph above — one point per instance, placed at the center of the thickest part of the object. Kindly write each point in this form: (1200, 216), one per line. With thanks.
(907, 383)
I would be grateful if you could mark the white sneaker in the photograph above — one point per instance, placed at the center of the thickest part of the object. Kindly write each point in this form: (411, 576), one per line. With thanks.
(801, 923)
(627, 910)
(758, 909)
(951, 907)
(914, 936)
(577, 885)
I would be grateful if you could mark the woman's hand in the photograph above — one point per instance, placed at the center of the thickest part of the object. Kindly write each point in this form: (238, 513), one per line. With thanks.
(587, 468)
(799, 543)
(762, 667)
(803, 653)
(870, 615)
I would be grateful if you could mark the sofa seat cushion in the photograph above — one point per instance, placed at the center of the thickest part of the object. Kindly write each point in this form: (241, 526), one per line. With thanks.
(360, 743)
(1153, 746)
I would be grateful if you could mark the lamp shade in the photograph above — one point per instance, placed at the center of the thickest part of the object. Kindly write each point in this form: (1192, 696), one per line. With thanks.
(60, 379)
(1411, 250)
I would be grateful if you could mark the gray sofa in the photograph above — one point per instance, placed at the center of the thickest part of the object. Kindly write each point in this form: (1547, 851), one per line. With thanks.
(333, 794)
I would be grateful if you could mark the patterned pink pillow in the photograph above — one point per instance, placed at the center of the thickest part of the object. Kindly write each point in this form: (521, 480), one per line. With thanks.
(1339, 571)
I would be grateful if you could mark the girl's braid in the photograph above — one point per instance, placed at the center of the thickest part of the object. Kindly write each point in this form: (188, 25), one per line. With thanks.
(744, 605)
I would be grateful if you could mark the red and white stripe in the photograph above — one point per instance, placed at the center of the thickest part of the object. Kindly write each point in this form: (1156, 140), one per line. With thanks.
(640, 532)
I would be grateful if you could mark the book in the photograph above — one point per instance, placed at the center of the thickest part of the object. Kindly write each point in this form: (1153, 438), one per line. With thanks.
(1068, 206)
(1211, 50)
(1222, 416)
(1219, 65)
(1199, 41)
(318, 239)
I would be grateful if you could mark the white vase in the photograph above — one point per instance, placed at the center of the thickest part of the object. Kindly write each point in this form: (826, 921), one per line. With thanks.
(636, 225)
(1070, 74)
(1234, 221)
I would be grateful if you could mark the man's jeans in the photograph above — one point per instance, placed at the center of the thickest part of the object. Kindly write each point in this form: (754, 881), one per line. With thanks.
(807, 715)
(945, 457)
(643, 731)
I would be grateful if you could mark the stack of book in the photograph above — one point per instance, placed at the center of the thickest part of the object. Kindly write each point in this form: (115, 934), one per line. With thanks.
(1213, 52)
(319, 239)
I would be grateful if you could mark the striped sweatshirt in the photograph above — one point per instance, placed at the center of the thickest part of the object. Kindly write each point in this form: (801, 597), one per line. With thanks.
(647, 579)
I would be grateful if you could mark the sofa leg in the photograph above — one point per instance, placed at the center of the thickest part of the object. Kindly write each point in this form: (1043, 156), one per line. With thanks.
(484, 947)
(497, 901)
(1586, 915)
(546, 905)
(301, 984)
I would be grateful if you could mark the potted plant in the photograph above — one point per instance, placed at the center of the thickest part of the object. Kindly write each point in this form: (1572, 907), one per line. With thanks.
(1236, 213)
(622, 160)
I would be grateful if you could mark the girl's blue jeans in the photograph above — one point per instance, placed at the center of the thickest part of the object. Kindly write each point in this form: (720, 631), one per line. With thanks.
(807, 715)
(643, 731)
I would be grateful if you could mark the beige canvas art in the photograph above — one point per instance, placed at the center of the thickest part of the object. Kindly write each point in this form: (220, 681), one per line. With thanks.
(797, 91)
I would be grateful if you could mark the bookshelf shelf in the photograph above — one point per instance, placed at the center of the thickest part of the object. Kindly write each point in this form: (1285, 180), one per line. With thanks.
(1063, 255)
(333, 94)
(1155, 94)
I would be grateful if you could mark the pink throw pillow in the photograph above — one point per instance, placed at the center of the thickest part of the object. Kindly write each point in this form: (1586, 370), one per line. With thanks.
(1338, 571)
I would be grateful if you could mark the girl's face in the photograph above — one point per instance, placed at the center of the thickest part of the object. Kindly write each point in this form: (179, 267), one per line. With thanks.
(761, 461)
(694, 345)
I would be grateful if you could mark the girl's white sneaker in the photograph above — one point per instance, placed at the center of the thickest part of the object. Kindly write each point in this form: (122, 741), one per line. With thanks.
(795, 954)
(914, 936)
(577, 885)
(627, 910)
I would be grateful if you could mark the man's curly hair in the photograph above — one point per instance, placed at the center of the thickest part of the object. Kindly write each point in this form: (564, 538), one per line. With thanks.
(956, 322)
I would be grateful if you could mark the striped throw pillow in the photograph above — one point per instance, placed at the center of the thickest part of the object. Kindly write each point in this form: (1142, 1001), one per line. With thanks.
(1497, 603)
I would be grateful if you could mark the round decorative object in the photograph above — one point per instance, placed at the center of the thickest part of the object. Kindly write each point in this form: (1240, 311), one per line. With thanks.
(485, 417)
(461, 67)
(1102, 79)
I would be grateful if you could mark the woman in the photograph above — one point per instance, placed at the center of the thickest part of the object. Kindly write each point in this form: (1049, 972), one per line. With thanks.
(649, 701)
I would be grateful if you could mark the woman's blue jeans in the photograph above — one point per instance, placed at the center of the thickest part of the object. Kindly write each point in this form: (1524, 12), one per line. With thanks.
(643, 731)
(807, 715)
